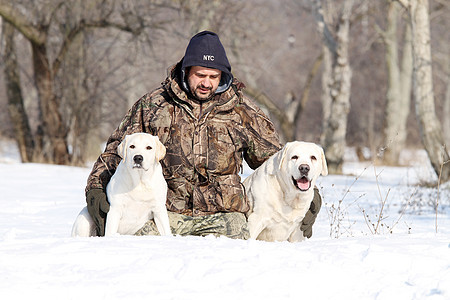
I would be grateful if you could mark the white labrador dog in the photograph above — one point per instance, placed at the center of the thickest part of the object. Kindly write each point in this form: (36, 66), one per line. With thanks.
(137, 191)
(281, 190)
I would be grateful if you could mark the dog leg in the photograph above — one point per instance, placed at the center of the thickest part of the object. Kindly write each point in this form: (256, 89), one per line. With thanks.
(255, 226)
(112, 222)
(84, 225)
(296, 236)
(162, 221)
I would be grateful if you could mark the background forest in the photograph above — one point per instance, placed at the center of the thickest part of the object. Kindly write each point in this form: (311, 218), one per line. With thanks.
(357, 73)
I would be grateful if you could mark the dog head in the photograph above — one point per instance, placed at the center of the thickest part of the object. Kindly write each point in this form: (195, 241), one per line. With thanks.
(141, 150)
(299, 164)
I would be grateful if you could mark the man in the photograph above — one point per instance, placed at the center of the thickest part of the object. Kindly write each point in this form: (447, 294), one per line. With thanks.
(208, 127)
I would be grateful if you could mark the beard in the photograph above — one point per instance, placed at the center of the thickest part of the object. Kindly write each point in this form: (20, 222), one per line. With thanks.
(202, 93)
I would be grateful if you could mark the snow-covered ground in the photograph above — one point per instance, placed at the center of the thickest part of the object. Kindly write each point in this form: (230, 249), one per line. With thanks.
(343, 260)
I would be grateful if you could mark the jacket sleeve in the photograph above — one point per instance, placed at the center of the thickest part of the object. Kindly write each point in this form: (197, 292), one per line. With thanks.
(263, 140)
(107, 162)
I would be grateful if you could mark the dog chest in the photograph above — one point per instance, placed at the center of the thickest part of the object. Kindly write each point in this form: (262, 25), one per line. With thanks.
(134, 212)
(281, 223)
(140, 196)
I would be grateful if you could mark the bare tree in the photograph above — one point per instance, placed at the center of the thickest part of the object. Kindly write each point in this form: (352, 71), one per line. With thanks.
(430, 128)
(51, 33)
(105, 69)
(399, 86)
(288, 118)
(286, 114)
(446, 121)
(52, 124)
(204, 15)
(336, 81)
(16, 107)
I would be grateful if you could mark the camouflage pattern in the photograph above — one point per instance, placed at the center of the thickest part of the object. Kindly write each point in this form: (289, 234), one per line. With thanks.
(206, 143)
(232, 225)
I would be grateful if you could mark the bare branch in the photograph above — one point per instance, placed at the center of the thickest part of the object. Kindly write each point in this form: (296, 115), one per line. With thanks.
(404, 3)
(307, 87)
(264, 100)
(328, 38)
(21, 23)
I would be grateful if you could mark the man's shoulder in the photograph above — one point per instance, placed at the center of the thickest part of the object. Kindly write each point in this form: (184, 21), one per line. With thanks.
(239, 90)
(250, 105)
(158, 97)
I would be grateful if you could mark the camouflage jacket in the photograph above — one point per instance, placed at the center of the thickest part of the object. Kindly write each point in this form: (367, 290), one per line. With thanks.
(205, 145)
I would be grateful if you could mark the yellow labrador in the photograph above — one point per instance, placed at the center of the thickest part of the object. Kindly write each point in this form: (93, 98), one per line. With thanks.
(137, 191)
(281, 190)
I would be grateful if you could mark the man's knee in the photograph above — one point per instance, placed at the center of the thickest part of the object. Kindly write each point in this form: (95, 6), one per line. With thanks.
(232, 225)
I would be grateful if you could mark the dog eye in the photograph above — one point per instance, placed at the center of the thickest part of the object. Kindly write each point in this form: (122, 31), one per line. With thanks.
(295, 157)
(132, 146)
(149, 148)
(313, 158)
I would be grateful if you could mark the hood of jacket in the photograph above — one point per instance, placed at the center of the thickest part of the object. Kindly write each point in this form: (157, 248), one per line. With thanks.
(224, 101)
(206, 50)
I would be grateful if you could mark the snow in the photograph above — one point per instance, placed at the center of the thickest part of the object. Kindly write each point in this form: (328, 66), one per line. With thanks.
(343, 260)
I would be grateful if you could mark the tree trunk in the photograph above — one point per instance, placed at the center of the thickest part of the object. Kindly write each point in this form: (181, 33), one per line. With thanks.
(301, 103)
(446, 120)
(16, 108)
(80, 108)
(51, 134)
(398, 96)
(430, 129)
(55, 148)
(337, 87)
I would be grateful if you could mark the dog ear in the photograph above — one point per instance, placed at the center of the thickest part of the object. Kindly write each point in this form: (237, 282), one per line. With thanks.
(121, 148)
(324, 163)
(160, 150)
(275, 161)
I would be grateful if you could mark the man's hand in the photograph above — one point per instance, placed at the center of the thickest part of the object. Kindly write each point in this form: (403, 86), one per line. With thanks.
(98, 207)
(311, 214)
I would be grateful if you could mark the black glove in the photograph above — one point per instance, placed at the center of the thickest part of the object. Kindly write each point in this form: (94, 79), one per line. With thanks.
(311, 214)
(98, 207)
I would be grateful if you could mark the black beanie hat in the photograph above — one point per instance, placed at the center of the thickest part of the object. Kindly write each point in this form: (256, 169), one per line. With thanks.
(206, 50)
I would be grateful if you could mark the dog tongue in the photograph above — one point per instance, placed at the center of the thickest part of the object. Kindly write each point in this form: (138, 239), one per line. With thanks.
(303, 184)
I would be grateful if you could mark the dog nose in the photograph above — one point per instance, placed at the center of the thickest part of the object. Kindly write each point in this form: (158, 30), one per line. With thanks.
(138, 159)
(304, 169)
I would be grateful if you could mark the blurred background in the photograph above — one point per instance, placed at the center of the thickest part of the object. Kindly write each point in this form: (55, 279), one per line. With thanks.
(339, 73)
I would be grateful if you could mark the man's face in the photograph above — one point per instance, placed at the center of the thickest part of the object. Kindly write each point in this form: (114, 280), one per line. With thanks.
(203, 82)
